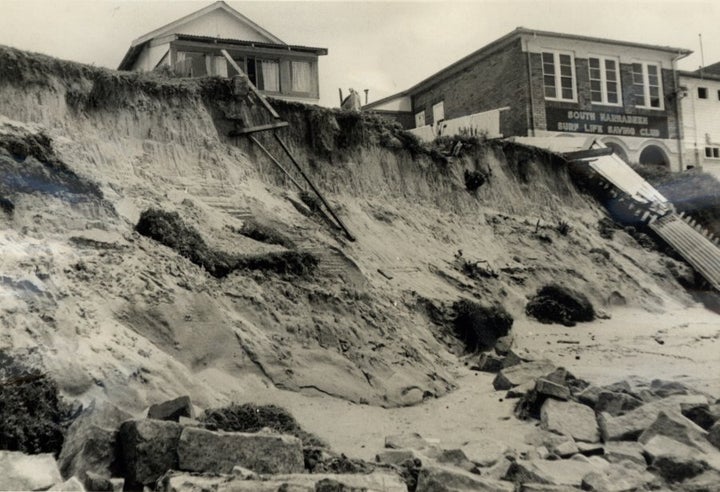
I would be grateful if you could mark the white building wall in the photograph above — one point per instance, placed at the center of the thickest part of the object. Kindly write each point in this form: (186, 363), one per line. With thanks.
(150, 56)
(701, 122)
(219, 24)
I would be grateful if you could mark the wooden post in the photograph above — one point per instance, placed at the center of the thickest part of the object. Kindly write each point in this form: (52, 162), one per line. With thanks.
(252, 86)
(348, 234)
(255, 141)
(341, 98)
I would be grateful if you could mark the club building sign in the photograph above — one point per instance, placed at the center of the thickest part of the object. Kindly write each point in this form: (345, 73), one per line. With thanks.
(620, 124)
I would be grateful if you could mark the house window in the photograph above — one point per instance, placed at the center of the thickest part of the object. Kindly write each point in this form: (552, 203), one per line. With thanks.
(648, 86)
(420, 119)
(438, 112)
(718, 95)
(702, 92)
(604, 81)
(301, 76)
(712, 152)
(558, 76)
(265, 74)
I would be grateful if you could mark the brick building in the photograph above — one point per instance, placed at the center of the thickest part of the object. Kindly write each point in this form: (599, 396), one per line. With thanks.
(559, 84)
(700, 108)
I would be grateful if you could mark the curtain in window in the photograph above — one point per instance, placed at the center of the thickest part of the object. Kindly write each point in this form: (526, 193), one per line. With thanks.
(268, 75)
(301, 76)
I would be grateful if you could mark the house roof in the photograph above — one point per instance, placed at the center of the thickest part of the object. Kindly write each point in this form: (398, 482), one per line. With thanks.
(274, 42)
(509, 38)
(195, 15)
(701, 74)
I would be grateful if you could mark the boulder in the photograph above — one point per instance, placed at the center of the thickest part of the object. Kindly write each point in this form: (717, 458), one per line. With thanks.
(453, 457)
(616, 403)
(98, 483)
(591, 448)
(172, 409)
(148, 449)
(618, 451)
(565, 449)
(675, 461)
(201, 450)
(485, 451)
(573, 419)
(91, 445)
(629, 426)
(411, 440)
(546, 387)
(672, 424)
(589, 396)
(488, 362)
(72, 484)
(619, 477)
(377, 481)
(559, 472)
(703, 415)
(714, 435)
(708, 481)
(20, 471)
(526, 372)
(397, 456)
(435, 478)
(663, 388)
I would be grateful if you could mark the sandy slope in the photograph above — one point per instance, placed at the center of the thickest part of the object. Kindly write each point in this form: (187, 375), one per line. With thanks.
(113, 315)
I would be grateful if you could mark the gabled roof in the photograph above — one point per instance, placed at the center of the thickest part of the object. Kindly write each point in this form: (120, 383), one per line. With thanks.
(510, 37)
(195, 15)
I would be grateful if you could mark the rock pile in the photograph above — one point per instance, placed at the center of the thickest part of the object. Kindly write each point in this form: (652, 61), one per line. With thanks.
(625, 436)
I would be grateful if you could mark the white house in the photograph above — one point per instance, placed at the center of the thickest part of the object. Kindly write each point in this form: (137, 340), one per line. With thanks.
(700, 109)
(191, 47)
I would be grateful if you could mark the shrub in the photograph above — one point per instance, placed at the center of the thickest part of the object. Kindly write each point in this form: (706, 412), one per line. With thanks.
(284, 262)
(557, 304)
(265, 234)
(563, 228)
(474, 180)
(249, 417)
(479, 327)
(32, 412)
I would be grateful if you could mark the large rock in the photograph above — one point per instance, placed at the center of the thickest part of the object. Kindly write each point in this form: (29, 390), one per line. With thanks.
(148, 449)
(708, 481)
(616, 403)
(411, 440)
(172, 409)
(435, 478)
(703, 415)
(629, 426)
(19, 471)
(90, 444)
(618, 451)
(526, 372)
(573, 419)
(485, 451)
(377, 481)
(620, 477)
(397, 456)
(548, 388)
(201, 450)
(674, 425)
(559, 472)
(72, 484)
(675, 461)
(714, 435)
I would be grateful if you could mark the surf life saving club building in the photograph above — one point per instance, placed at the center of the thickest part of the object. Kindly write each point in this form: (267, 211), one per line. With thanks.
(545, 84)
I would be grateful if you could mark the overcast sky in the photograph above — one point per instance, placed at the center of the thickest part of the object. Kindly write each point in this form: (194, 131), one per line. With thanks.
(381, 46)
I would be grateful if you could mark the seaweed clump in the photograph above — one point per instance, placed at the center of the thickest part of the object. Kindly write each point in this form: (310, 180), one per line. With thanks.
(557, 304)
(479, 327)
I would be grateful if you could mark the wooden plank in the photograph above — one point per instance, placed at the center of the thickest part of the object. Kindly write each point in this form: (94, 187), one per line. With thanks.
(252, 86)
(587, 154)
(267, 152)
(259, 128)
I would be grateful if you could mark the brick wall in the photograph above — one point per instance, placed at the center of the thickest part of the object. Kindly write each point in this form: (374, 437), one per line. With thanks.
(497, 79)
(583, 95)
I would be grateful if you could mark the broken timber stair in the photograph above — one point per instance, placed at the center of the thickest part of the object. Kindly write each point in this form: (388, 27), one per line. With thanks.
(278, 123)
(689, 239)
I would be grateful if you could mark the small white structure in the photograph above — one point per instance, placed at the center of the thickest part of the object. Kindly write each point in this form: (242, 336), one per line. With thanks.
(700, 109)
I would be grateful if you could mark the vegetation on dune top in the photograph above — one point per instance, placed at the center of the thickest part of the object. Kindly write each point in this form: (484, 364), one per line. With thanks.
(170, 230)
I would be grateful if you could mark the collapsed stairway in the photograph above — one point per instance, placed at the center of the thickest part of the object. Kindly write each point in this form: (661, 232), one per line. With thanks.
(636, 197)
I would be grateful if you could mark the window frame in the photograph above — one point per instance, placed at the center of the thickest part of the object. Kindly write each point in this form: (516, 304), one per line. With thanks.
(646, 84)
(714, 150)
(424, 123)
(255, 59)
(292, 76)
(557, 74)
(603, 80)
(702, 92)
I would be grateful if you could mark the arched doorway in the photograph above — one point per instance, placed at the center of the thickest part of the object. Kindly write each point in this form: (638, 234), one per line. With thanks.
(617, 150)
(652, 155)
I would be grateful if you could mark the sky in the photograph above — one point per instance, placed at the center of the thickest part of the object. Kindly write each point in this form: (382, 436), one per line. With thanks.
(384, 47)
